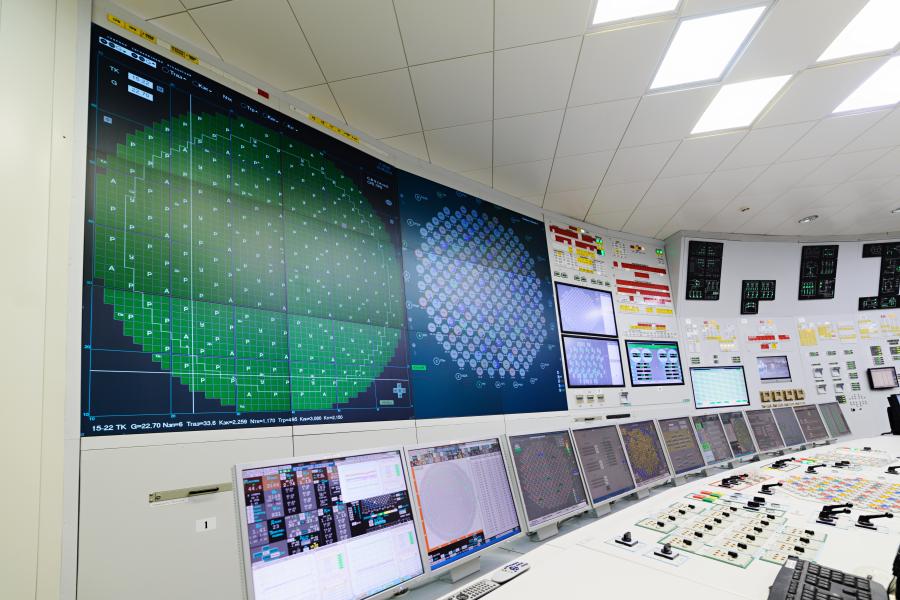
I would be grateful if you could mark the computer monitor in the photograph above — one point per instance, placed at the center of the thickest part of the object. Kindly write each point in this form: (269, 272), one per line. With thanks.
(681, 444)
(765, 430)
(465, 501)
(645, 453)
(653, 363)
(791, 432)
(737, 432)
(811, 423)
(834, 419)
(719, 387)
(882, 378)
(713, 441)
(773, 368)
(585, 310)
(592, 362)
(603, 463)
(547, 472)
(342, 523)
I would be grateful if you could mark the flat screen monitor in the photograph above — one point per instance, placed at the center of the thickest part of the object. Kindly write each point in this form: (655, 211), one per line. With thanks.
(592, 362)
(737, 432)
(811, 423)
(654, 363)
(464, 498)
(585, 310)
(773, 368)
(645, 453)
(681, 444)
(883, 378)
(713, 441)
(765, 430)
(834, 419)
(340, 524)
(719, 387)
(603, 462)
(789, 426)
(549, 478)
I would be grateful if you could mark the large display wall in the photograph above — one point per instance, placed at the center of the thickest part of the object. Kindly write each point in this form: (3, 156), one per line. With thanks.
(242, 269)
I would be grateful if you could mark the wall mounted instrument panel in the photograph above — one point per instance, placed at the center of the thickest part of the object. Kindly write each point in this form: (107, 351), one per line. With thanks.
(704, 270)
(242, 269)
(754, 291)
(888, 276)
(818, 272)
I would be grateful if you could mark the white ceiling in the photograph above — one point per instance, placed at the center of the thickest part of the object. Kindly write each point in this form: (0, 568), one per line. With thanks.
(515, 94)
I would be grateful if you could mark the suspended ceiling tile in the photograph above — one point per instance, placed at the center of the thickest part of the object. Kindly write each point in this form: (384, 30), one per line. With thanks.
(764, 146)
(454, 92)
(463, 148)
(382, 105)
(572, 203)
(693, 8)
(701, 154)
(579, 172)
(262, 38)
(520, 22)
(619, 63)
(437, 30)
(150, 9)
(198, 3)
(351, 38)
(792, 37)
(534, 78)
(183, 26)
(319, 96)
(619, 197)
(526, 138)
(724, 186)
(780, 177)
(815, 93)
(640, 163)
(667, 116)
(886, 133)
(523, 179)
(614, 220)
(886, 166)
(485, 176)
(801, 197)
(412, 143)
(648, 221)
(830, 135)
(850, 193)
(841, 167)
(595, 127)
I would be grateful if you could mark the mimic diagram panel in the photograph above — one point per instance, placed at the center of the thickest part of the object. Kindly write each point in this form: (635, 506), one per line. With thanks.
(888, 276)
(616, 312)
(242, 269)
(818, 272)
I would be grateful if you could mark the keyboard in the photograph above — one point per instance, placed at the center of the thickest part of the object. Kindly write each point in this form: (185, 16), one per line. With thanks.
(804, 580)
(475, 590)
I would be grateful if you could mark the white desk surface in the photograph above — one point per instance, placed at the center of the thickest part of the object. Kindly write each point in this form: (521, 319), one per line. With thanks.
(578, 563)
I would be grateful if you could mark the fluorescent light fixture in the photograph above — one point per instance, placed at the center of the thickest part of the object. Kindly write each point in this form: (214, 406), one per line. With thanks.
(738, 104)
(874, 28)
(808, 219)
(703, 47)
(881, 89)
(610, 11)
(895, 211)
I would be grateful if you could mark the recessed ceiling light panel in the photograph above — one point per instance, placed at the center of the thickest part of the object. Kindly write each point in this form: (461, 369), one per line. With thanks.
(703, 47)
(738, 104)
(873, 29)
(881, 89)
(611, 11)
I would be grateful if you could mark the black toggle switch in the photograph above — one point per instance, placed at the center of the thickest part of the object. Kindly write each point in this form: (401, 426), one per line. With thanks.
(865, 521)
(812, 468)
(892, 470)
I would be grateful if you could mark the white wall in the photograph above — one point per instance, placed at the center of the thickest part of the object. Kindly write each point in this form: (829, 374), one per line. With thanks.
(38, 53)
(756, 257)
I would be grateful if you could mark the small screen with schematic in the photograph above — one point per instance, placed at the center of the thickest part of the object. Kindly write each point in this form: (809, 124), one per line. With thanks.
(654, 363)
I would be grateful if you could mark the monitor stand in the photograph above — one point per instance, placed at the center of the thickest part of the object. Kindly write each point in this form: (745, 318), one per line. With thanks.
(679, 480)
(641, 494)
(464, 570)
(600, 511)
(545, 532)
